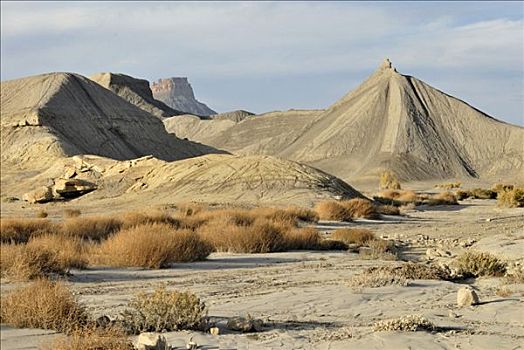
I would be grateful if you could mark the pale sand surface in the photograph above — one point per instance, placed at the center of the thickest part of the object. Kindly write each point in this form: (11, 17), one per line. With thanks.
(305, 300)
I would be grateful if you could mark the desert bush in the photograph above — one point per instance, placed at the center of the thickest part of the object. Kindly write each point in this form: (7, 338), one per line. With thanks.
(332, 210)
(261, 237)
(152, 246)
(164, 310)
(513, 198)
(360, 208)
(387, 209)
(94, 228)
(389, 181)
(412, 271)
(376, 278)
(25, 262)
(444, 198)
(21, 230)
(475, 264)
(42, 214)
(72, 213)
(408, 323)
(43, 304)
(398, 196)
(131, 219)
(306, 238)
(449, 185)
(92, 338)
(476, 193)
(378, 249)
(302, 214)
(69, 252)
(190, 209)
(353, 235)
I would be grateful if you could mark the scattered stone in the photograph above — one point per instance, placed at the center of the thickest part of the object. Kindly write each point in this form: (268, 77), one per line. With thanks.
(40, 195)
(151, 341)
(242, 324)
(191, 345)
(69, 172)
(214, 331)
(71, 188)
(466, 296)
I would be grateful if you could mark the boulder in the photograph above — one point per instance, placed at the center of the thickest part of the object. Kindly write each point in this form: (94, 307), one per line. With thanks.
(40, 195)
(242, 324)
(151, 341)
(71, 188)
(466, 296)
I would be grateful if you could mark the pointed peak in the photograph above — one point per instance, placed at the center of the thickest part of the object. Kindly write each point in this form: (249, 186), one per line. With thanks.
(386, 65)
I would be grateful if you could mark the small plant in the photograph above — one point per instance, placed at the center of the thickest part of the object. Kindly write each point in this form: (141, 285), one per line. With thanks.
(476, 264)
(306, 238)
(388, 209)
(512, 199)
(476, 193)
(132, 219)
(408, 323)
(42, 214)
(92, 338)
(153, 246)
(502, 187)
(378, 249)
(21, 230)
(360, 208)
(444, 198)
(164, 310)
(389, 181)
(353, 236)
(94, 228)
(375, 279)
(504, 292)
(43, 304)
(72, 213)
(21, 262)
(449, 185)
(412, 271)
(332, 210)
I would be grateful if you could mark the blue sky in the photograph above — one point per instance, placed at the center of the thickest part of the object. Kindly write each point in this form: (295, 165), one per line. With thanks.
(264, 56)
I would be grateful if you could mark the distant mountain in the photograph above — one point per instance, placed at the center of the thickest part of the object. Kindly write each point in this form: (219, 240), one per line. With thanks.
(50, 116)
(391, 121)
(135, 91)
(178, 94)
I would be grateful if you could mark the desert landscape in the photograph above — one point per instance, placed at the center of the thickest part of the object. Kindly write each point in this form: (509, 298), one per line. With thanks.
(134, 216)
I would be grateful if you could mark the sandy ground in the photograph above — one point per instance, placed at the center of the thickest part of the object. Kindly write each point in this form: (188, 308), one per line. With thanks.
(305, 301)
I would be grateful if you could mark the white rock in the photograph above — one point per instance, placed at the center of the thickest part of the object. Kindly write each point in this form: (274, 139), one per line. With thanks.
(151, 341)
(466, 296)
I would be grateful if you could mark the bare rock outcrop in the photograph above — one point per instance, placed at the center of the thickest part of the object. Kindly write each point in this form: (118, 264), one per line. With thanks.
(178, 94)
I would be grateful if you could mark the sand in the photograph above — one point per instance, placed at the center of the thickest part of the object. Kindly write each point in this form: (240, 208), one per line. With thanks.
(305, 301)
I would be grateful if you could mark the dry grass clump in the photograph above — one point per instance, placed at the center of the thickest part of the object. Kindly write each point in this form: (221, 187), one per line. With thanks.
(332, 210)
(43, 304)
(92, 338)
(408, 323)
(449, 185)
(476, 193)
(131, 219)
(190, 209)
(360, 208)
(353, 235)
(379, 249)
(25, 262)
(475, 264)
(412, 271)
(376, 278)
(512, 198)
(152, 246)
(302, 214)
(306, 238)
(443, 198)
(164, 310)
(389, 181)
(388, 209)
(70, 252)
(72, 213)
(261, 237)
(21, 230)
(498, 187)
(94, 228)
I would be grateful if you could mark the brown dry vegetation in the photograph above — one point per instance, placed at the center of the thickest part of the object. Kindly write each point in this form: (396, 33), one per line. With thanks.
(475, 264)
(380, 249)
(389, 181)
(92, 338)
(20, 230)
(332, 210)
(353, 235)
(43, 304)
(360, 208)
(93, 227)
(513, 198)
(449, 185)
(152, 246)
(412, 271)
(72, 213)
(399, 198)
(476, 193)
